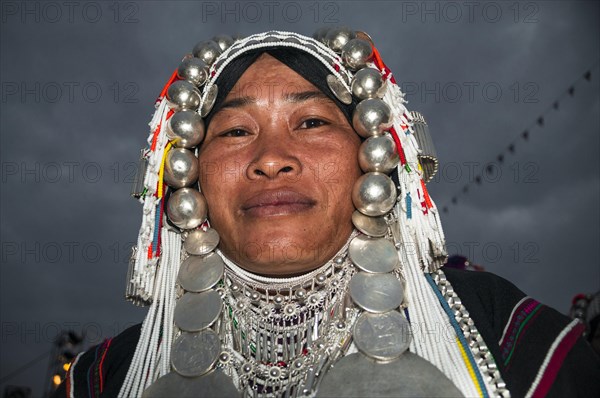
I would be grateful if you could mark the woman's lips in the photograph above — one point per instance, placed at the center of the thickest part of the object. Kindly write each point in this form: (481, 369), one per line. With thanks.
(276, 203)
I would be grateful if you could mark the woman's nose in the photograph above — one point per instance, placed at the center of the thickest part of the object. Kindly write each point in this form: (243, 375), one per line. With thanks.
(274, 159)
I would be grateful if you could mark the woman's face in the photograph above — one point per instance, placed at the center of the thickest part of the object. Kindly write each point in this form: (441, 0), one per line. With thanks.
(277, 168)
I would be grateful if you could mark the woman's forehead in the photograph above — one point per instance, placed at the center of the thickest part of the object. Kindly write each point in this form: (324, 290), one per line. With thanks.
(270, 78)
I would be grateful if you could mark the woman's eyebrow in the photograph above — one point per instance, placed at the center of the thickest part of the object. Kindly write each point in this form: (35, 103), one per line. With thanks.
(305, 96)
(302, 96)
(238, 102)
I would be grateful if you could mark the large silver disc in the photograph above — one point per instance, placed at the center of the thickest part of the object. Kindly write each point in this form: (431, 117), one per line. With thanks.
(199, 242)
(197, 311)
(194, 354)
(410, 375)
(377, 256)
(213, 384)
(382, 336)
(376, 293)
(198, 274)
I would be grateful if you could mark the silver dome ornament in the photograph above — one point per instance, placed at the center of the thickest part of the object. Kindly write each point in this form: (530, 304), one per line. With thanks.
(378, 153)
(185, 129)
(181, 168)
(368, 83)
(208, 51)
(372, 226)
(320, 34)
(224, 41)
(339, 90)
(374, 194)
(199, 242)
(194, 70)
(371, 117)
(183, 95)
(356, 53)
(337, 38)
(187, 208)
(209, 101)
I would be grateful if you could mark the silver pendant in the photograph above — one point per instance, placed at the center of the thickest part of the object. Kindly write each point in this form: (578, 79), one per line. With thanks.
(382, 337)
(198, 274)
(372, 226)
(410, 375)
(376, 293)
(197, 311)
(194, 354)
(213, 384)
(338, 89)
(377, 256)
(199, 242)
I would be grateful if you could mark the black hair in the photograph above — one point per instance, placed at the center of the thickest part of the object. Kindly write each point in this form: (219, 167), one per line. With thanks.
(299, 61)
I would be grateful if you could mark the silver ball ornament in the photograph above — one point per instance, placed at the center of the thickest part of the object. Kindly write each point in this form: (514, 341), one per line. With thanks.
(321, 34)
(367, 83)
(185, 129)
(337, 38)
(194, 70)
(187, 208)
(378, 153)
(371, 117)
(356, 53)
(181, 168)
(183, 95)
(374, 194)
(208, 51)
(224, 41)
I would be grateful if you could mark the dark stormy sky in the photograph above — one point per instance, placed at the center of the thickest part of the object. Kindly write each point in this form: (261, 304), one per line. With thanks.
(79, 81)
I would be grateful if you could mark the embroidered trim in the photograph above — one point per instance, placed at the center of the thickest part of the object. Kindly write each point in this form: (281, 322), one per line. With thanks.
(512, 314)
(518, 324)
(554, 359)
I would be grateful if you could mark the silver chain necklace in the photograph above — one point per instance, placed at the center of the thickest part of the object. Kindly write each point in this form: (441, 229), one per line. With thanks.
(278, 337)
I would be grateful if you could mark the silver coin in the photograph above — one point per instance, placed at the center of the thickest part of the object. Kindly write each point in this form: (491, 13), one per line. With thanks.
(382, 336)
(199, 242)
(339, 90)
(197, 311)
(377, 256)
(194, 354)
(355, 375)
(372, 226)
(376, 293)
(200, 273)
(213, 384)
(209, 101)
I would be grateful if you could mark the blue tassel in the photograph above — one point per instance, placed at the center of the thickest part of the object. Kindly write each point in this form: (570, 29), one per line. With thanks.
(408, 206)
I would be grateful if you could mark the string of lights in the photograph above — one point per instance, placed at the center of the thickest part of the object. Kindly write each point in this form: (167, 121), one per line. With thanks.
(524, 136)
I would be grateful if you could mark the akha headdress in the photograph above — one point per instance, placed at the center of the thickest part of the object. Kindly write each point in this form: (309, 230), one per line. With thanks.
(391, 200)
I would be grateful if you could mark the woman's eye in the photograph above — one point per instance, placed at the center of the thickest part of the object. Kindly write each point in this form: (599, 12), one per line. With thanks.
(312, 123)
(235, 133)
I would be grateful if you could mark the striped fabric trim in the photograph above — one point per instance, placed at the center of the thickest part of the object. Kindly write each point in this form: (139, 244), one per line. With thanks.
(100, 371)
(519, 322)
(94, 372)
(70, 380)
(554, 358)
(511, 317)
(466, 353)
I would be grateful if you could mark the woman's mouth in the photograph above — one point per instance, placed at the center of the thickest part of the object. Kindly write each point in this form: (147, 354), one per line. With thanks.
(277, 203)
